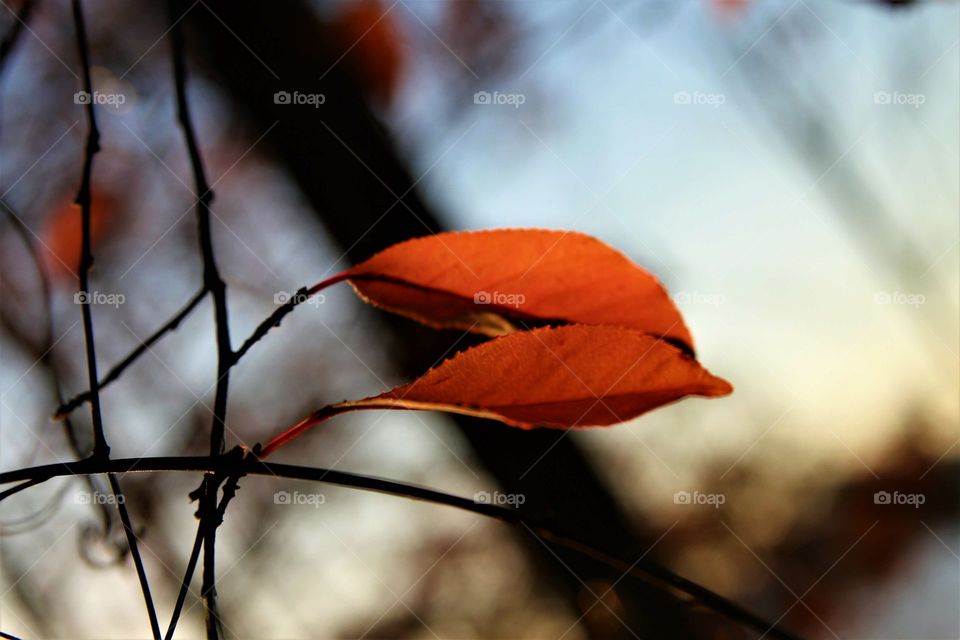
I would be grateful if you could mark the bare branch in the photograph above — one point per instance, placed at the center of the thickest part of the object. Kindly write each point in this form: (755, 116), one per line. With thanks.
(218, 289)
(101, 451)
(67, 407)
(236, 464)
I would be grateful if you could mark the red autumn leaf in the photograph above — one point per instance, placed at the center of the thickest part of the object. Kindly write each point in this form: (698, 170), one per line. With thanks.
(63, 229)
(560, 377)
(372, 44)
(490, 281)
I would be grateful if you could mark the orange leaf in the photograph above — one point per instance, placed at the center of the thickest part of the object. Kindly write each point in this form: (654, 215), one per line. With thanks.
(560, 377)
(490, 281)
(63, 229)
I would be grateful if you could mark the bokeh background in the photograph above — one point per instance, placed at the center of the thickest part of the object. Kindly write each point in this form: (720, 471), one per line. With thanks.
(789, 169)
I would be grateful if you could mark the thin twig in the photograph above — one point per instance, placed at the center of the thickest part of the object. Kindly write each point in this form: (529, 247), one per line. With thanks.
(302, 295)
(234, 464)
(272, 321)
(218, 289)
(67, 407)
(185, 583)
(26, 484)
(84, 199)
(229, 491)
(173, 323)
(101, 451)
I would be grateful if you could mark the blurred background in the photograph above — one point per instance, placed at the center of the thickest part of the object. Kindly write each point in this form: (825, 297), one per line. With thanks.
(789, 169)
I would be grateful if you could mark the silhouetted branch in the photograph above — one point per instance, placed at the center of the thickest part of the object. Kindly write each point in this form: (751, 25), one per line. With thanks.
(114, 373)
(84, 200)
(235, 464)
(218, 289)
(185, 583)
(272, 321)
(229, 491)
(101, 451)
(302, 295)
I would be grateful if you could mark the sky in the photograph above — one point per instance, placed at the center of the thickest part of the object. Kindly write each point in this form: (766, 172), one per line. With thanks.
(712, 196)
